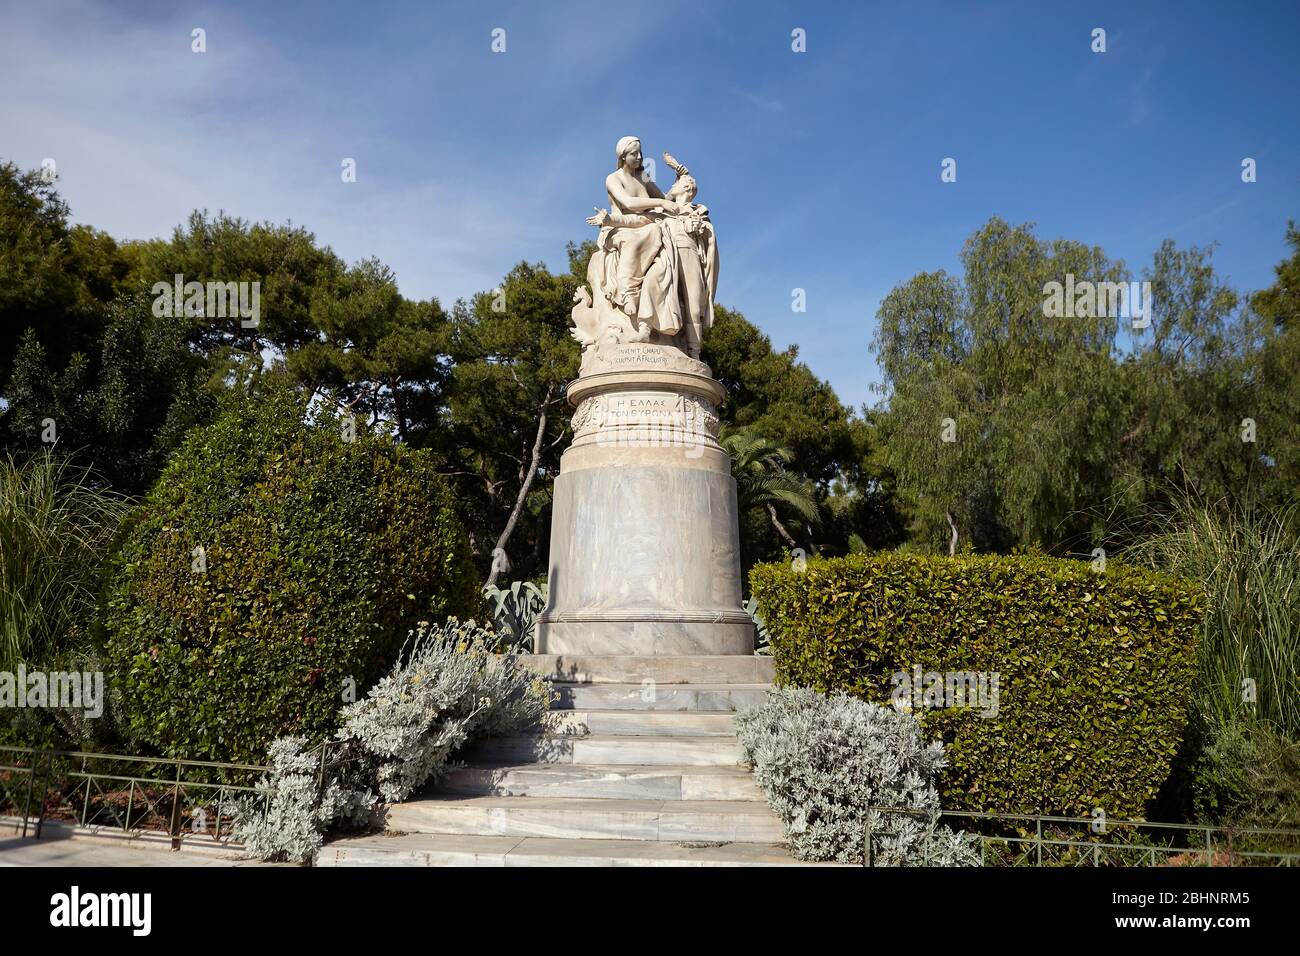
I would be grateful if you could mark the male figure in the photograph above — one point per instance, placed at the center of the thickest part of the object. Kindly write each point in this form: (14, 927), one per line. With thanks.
(697, 258)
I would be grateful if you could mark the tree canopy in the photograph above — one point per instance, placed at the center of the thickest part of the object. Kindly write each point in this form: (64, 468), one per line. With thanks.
(1009, 425)
(1002, 423)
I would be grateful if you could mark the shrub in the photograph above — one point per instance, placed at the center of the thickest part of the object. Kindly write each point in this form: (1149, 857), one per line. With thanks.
(1094, 668)
(272, 566)
(515, 610)
(289, 822)
(1241, 760)
(822, 761)
(1248, 561)
(1244, 774)
(56, 525)
(449, 689)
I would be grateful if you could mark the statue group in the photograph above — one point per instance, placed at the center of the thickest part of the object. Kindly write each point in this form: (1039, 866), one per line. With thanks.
(645, 546)
(655, 269)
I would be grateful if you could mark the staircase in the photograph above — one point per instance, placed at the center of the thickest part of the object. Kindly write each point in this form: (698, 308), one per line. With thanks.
(638, 765)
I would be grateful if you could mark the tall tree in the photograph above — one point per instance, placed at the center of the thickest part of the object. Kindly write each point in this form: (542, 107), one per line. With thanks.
(123, 408)
(1276, 396)
(1184, 390)
(772, 394)
(379, 354)
(507, 413)
(297, 279)
(999, 412)
(762, 481)
(1011, 423)
(55, 279)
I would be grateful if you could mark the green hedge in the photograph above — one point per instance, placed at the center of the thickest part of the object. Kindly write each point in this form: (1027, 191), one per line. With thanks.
(321, 556)
(1095, 669)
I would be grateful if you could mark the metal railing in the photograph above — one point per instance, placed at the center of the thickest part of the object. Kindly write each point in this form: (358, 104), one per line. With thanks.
(1007, 839)
(128, 793)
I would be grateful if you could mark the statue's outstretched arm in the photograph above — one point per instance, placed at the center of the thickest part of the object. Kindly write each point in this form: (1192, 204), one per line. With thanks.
(604, 218)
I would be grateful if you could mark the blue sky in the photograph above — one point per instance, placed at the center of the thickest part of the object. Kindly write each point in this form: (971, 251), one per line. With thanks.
(821, 169)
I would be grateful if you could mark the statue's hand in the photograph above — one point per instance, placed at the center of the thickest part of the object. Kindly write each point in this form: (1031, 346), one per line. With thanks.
(671, 208)
(599, 220)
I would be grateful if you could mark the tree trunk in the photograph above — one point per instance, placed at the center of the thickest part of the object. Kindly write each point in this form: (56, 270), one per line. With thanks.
(780, 528)
(399, 413)
(524, 487)
(952, 542)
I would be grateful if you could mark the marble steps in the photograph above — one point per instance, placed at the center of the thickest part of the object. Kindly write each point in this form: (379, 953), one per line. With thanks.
(641, 723)
(637, 764)
(729, 821)
(427, 849)
(631, 782)
(659, 697)
(618, 669)
(615, 749)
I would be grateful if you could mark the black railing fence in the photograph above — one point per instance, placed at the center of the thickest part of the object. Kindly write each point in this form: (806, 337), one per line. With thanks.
(1034, 840)
(198, 800)
(184, 799)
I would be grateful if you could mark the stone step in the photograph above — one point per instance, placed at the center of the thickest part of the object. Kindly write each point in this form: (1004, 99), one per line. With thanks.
(721, 669)
(641, 723)
(604, 782)
(657, 697)
(427, 849)
(608, 749)
(730, 821)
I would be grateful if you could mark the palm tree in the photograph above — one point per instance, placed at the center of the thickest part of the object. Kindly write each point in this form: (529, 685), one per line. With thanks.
(758, 465)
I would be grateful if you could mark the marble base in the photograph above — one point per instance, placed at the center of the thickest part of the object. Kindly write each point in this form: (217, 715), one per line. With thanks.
(667, 636)
(645, 549)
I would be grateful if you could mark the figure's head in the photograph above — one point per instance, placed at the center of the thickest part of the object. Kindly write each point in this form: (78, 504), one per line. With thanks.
(629, 153)
(684, 190)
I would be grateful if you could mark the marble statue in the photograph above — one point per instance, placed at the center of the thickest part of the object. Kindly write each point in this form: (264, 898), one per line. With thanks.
(655, 270)
(645, 541)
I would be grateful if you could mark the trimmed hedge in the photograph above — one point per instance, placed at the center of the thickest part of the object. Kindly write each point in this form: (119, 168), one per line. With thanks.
(1095, 669)
(322, 555)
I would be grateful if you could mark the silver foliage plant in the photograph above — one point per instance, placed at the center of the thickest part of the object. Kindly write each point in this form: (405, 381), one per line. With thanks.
(290, 817)
(447, 688)
(822, 761)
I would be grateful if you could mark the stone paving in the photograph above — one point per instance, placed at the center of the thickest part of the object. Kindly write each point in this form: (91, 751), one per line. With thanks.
(62, 850)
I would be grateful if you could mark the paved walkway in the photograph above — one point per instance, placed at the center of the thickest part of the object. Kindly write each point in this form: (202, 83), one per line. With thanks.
(61, 850)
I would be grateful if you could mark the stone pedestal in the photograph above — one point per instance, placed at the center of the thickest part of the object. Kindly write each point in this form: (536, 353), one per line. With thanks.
(645, 555)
